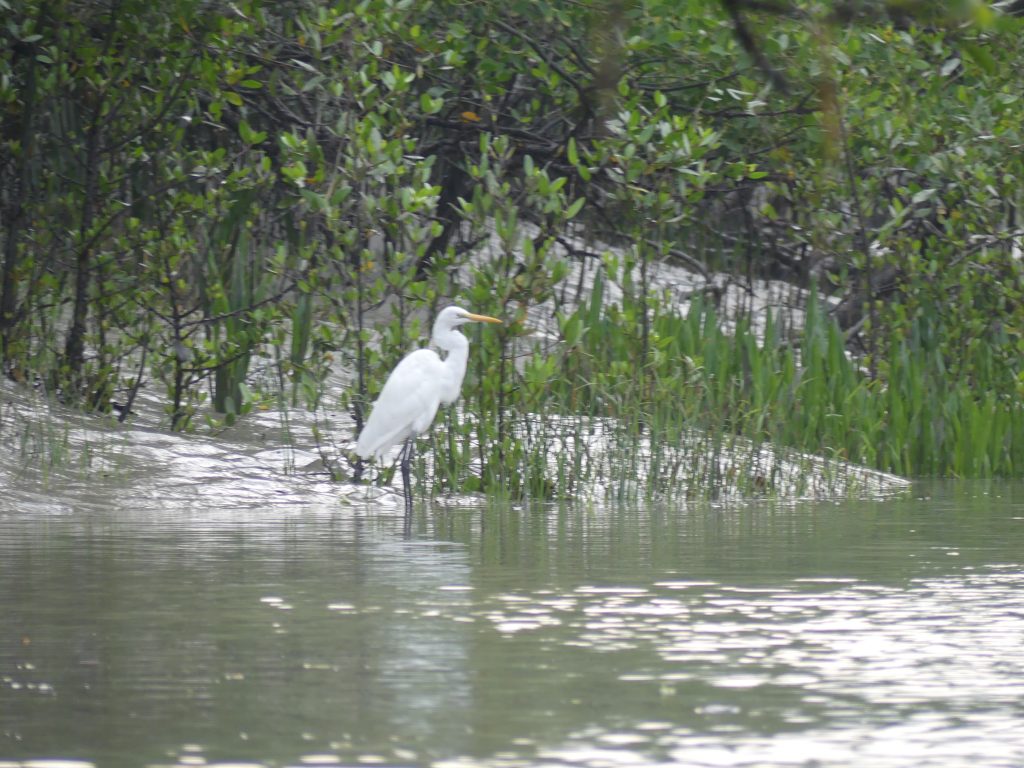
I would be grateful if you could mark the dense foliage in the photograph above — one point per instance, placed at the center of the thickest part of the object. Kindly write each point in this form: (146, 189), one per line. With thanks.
(224, 201)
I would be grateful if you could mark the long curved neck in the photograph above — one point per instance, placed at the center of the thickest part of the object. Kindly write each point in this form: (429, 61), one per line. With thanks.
(457, 347)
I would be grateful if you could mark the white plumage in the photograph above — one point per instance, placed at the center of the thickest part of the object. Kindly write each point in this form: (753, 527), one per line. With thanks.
(414, 391)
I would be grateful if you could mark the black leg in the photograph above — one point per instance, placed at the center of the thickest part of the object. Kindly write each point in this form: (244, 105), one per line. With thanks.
(406, 461)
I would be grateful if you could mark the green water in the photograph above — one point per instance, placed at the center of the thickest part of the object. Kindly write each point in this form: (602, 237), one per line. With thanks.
(885, 633)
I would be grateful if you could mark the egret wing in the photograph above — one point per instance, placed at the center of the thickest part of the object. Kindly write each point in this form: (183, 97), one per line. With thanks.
(406, 405)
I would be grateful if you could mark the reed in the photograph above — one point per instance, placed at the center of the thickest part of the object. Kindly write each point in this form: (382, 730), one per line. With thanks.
(701, 412)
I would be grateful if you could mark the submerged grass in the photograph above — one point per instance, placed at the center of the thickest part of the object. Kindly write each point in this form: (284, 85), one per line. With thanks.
(43, 441)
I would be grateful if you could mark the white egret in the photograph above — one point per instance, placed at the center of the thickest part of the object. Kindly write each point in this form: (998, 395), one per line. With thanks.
(420, 383)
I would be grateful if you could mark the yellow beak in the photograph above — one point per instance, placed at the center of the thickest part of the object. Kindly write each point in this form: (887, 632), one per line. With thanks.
(482, 318)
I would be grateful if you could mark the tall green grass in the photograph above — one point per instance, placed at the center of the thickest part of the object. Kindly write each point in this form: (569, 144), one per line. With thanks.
(676, 408)
(916, 417)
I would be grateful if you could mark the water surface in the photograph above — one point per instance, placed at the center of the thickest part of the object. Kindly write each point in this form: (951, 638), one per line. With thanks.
(145, 628)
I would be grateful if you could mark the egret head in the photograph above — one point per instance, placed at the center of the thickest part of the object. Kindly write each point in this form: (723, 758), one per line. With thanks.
(453, 317)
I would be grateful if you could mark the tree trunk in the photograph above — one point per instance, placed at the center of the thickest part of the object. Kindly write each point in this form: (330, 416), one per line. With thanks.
(74, 347)
(454, 183)
(15, 212)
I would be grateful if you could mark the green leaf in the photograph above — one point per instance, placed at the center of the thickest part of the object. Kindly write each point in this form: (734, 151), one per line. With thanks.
(248, 135)
(923, 195)
(430, 105)
(981, 57)
(572, 328)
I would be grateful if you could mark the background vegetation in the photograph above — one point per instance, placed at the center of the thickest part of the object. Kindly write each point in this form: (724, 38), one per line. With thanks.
(221, 202)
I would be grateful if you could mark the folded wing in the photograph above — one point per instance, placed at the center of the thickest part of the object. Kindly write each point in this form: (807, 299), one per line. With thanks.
(406, 406)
